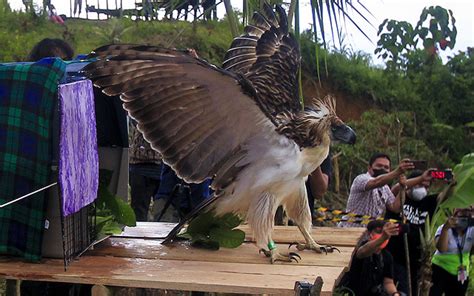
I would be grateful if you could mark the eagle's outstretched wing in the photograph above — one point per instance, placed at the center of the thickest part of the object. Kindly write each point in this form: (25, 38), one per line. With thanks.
(198, 116)
(269, 57)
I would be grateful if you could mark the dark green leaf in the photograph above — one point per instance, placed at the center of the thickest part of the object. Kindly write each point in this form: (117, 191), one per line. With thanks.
(229, 220)
(227, 238)
(206, 244)
(112, 228)
(201, 224)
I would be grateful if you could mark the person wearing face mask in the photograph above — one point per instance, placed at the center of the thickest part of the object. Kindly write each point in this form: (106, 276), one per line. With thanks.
(370, 194)
(371, 268)
(451, 262)
(417, 208)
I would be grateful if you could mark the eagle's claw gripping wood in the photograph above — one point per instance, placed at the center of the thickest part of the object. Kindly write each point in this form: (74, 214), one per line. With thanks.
(316, 247)
(275, 256)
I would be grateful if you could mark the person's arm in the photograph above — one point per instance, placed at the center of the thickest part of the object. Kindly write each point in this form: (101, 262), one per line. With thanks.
(443, 239)
(425, 177)
(388, 177)
(372, 246)
(318, 181)
(390, 287)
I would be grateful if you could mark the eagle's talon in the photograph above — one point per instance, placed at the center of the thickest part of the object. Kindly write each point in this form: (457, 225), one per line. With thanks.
(295, 256)
(299, 246)
(331, 249)
(265, 252)
(328, 249)
(293, 244)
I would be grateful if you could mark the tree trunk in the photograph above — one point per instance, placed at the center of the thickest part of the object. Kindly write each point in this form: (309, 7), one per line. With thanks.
(291, 13)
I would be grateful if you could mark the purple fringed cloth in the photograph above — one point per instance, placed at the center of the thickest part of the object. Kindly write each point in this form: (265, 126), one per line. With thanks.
(78, 158)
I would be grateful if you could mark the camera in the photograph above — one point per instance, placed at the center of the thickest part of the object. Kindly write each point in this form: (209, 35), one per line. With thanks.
(446, 175)
(302, 288)
(403, 228)
(464, 222)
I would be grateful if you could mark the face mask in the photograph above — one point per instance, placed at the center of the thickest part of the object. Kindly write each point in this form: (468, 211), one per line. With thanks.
(378, 172)
(375, 236)
(418, 193)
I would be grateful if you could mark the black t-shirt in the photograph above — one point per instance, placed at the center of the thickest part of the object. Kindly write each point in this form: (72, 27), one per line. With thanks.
(416, 213)
(366, 274)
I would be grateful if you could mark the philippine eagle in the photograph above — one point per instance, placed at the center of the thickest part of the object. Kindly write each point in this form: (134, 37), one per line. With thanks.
(241, 125)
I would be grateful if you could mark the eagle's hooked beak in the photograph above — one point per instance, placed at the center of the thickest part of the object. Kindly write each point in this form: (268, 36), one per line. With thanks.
(343, 133)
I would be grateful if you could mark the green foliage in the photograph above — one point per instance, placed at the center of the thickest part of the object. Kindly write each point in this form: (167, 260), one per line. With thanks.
(441, 29)
(393, 43)
(439, 96)
(112, 212)
(212, 232)
(19, 32)
(4, 8)
(399, 38)
(378, 131)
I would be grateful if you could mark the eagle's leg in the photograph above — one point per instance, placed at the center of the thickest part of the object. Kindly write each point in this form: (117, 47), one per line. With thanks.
(311, 244)
(260, 216)
(275, 255)
(300, 214)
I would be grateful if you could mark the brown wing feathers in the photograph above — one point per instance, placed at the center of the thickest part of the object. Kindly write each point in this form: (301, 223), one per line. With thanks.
(196, 115)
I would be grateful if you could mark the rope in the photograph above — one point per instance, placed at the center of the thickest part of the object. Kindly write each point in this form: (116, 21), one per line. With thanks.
(343, 216)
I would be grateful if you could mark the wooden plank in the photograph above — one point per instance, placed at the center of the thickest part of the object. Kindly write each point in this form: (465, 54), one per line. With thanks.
(246, 253)
(173, 274)
(126, 261)
(147, 230)
(336, 236)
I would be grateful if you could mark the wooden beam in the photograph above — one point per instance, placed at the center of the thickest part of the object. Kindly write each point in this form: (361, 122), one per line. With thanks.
(173, 274)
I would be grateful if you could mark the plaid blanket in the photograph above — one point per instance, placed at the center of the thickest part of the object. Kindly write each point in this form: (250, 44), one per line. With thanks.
(28, 96)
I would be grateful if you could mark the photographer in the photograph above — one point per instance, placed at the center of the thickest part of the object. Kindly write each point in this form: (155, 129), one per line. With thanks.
(451, 262)
(371, 271)
(370, 193)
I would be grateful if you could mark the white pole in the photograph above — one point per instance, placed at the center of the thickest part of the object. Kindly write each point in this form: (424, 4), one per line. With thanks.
(25, 196)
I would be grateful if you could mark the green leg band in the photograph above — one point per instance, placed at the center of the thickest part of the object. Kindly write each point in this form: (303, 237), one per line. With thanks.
(271, 245)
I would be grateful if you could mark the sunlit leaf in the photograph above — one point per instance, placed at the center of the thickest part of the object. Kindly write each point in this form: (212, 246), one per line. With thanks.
(226, 238)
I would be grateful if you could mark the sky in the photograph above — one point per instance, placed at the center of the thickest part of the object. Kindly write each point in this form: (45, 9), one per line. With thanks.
(401, 10)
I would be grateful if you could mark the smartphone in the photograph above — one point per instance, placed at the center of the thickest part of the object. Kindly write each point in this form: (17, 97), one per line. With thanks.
(420, 164)
(442, 174)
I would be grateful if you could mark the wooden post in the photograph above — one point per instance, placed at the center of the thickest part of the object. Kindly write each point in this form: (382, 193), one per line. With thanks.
(87, 13)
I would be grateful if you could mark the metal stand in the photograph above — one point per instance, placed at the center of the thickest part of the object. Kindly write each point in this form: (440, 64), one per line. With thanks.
(304, 288)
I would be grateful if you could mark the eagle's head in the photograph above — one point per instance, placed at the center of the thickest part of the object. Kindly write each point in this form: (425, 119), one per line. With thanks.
(316, 124)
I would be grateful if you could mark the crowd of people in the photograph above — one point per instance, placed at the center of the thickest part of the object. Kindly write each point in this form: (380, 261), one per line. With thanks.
(379, 263)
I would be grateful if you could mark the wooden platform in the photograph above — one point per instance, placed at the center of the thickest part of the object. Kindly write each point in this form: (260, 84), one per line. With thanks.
(137, 259)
